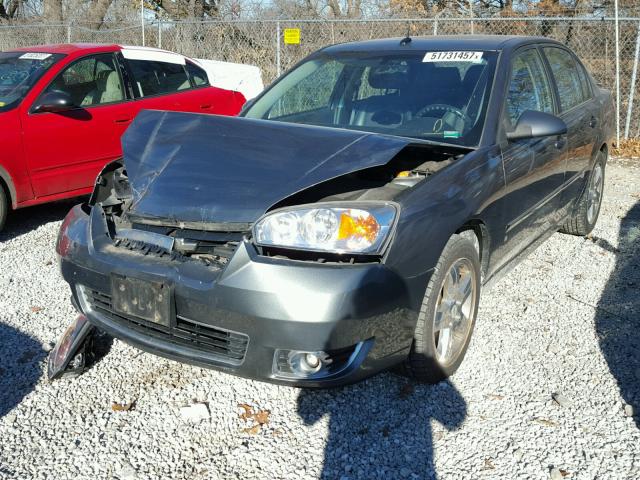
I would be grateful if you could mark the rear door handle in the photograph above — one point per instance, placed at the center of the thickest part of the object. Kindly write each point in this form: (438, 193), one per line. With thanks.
(593, 123)
(205, 106)
(122, 120)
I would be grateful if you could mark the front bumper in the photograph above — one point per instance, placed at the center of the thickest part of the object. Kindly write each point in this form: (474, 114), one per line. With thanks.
(254, 305)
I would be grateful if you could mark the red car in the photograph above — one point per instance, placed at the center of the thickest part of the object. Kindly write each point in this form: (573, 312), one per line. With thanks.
(63, 109)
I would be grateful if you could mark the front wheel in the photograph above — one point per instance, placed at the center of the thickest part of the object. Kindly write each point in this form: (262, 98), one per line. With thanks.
(448, 313)
(586, 212)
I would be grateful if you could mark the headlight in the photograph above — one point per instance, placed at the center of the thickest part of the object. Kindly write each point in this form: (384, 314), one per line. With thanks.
(339, 228)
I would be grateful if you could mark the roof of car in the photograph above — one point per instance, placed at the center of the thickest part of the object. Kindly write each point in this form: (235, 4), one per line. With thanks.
(67, 48)
(441, 42)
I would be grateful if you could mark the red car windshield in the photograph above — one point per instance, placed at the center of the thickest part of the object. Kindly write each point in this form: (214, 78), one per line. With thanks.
(19, 71)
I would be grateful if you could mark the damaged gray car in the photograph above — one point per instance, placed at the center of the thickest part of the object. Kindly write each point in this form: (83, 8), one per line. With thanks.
(346, 222)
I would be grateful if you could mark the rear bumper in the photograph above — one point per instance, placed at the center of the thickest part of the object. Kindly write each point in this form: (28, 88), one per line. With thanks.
(256, 305)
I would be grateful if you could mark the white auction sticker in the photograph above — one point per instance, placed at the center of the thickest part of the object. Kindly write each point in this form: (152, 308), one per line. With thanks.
(35, 56)
(473, 57)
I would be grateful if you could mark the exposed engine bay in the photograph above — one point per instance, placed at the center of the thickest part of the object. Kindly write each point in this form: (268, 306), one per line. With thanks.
(214, 244)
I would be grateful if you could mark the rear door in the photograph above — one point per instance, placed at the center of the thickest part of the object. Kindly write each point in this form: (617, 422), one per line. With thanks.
(534, 168)
(578, 110)
(65, 151)
(170, 82)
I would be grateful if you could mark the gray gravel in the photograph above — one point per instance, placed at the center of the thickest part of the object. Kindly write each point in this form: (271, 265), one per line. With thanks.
(545, 392)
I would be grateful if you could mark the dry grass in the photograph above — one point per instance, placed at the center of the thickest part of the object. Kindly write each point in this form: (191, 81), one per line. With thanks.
(627, 148)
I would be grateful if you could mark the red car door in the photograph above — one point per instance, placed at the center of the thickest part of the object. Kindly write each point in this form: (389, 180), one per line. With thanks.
(66, 150)
(172, 83)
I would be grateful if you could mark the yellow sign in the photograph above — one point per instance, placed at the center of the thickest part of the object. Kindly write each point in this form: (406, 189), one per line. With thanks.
(292, 36)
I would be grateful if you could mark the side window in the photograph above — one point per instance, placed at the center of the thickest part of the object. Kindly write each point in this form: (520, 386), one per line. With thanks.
(585, 82)
(90, 81)
(157, 78)
(569, 79)
(529, 87)
(320, 81)
(197, 75)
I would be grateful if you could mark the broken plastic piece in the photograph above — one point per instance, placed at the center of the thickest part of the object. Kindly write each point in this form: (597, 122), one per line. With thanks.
(69, 354)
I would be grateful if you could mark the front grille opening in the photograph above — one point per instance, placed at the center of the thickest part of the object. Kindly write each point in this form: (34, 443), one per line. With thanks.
(211, 248)
(230, 346)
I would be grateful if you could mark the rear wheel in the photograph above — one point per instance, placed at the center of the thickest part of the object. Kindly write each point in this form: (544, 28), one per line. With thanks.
(586, 213)
(448, 313)
(4, 207)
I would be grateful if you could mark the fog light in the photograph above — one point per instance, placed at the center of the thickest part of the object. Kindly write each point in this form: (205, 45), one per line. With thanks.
(299, 364)
(306, 363)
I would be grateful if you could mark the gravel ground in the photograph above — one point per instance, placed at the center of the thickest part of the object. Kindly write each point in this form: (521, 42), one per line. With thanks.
(547, 389)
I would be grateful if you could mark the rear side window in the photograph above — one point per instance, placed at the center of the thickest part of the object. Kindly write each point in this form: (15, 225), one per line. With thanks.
(157, 78)
(572, 83)
(197, 75)
(529, 87)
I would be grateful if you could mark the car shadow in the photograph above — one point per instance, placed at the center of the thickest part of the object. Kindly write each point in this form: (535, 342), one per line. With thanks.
(618, 313)
(382, 427)
(20, 369)
(24, 220)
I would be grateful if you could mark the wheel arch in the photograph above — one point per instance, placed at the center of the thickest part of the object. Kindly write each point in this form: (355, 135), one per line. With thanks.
(7, 184)
(479, 228)
(604, 148)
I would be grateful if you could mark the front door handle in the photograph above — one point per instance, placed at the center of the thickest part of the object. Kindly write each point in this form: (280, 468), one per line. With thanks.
(205, 106)
(122, 120)
(560, 143)
(593, 123)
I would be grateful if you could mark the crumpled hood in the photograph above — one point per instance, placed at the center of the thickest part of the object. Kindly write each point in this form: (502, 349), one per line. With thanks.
(188, 168)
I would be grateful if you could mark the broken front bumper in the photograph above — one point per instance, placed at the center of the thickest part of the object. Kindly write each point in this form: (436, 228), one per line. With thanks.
(243, 317)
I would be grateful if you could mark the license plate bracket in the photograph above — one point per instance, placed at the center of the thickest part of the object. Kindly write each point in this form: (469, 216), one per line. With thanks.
(144, 299)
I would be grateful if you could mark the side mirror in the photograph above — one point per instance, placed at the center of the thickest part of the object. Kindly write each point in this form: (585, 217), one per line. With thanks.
(533, 124)
(54, 102)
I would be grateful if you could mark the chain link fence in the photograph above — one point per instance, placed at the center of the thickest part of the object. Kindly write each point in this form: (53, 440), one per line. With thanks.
(262, 43)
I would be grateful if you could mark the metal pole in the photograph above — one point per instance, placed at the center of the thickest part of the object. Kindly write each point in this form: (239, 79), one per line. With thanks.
(142, 19)
(159, 33)
(617, 76)
(435, 26)
(633, 85)
(471, 16)
(278, 48)
(69, 33)
(606, 60)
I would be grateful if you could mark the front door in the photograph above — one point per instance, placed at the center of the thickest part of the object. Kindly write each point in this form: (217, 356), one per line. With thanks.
(65, 151)
(535, 167)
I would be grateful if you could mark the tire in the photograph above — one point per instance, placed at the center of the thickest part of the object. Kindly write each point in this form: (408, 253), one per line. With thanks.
(586, 211)
(430, 360)
(4, 207)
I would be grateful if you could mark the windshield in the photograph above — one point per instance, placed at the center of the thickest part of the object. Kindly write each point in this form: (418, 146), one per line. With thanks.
(437, 96)
(19, 71)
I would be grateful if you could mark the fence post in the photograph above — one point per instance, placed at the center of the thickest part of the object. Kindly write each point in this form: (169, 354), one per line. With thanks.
(617, 76)
(435, 26)
(68, 33)
(633, 86)
(278, 48)
(142, 19)
(159, 33)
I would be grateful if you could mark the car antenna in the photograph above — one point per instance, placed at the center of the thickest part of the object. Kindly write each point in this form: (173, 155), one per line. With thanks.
(406, 40)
